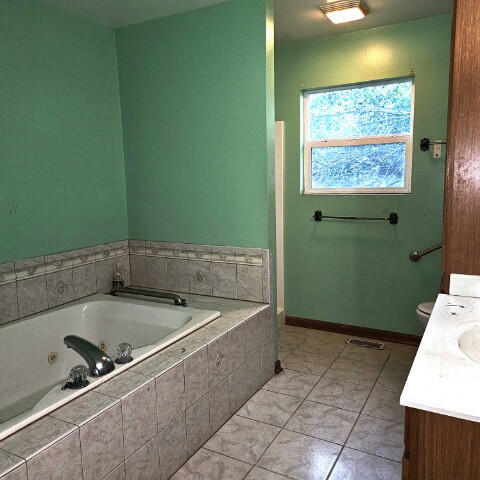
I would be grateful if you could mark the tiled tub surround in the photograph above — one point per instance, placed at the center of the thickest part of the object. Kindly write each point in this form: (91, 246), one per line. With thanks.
(31, 382)
(146, 422)
(37, 284)
(230, 272)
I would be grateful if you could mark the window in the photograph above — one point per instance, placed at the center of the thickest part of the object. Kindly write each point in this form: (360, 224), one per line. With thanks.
(358, 139)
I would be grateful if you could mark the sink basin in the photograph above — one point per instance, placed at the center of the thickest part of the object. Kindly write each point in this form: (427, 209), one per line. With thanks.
(469, 343)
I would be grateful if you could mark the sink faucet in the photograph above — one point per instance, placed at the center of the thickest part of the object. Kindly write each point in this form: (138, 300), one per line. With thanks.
(99, 363)
(177, 300)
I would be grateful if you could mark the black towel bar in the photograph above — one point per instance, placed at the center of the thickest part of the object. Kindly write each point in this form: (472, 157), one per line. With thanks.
(318, 216)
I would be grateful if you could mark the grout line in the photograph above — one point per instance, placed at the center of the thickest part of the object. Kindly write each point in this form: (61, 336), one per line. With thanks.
(266, 423)
(308, 373)
(280, 393)
(225, 455)
(332, 406)
(335, 462)
(271, 471)
(372, 454)
(383, 419)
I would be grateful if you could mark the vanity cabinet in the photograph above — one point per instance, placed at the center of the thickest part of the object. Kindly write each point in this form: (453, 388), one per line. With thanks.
(439, 447)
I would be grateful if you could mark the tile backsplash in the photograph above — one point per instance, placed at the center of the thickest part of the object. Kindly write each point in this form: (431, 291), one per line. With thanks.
(231, 272)
(32, 285)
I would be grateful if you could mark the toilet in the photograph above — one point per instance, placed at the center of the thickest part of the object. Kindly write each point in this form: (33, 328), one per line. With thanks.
(424, 310)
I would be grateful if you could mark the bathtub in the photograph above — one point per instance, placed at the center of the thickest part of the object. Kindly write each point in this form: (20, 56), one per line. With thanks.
(34, 361)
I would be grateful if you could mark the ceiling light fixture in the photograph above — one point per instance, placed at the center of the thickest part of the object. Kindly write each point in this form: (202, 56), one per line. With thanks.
(345, 11)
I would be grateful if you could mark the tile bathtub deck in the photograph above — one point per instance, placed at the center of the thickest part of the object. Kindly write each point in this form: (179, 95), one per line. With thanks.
(333, 413)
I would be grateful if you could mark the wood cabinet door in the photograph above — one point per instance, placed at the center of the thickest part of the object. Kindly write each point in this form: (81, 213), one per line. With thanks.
(438, 447)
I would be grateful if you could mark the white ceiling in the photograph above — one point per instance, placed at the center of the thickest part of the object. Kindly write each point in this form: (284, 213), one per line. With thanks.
(301, 19)
(294, 19)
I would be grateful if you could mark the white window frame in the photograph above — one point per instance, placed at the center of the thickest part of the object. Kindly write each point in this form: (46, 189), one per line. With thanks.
(368, 140)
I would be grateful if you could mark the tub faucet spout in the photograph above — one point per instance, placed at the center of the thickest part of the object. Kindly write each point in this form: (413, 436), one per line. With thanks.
(99, 363)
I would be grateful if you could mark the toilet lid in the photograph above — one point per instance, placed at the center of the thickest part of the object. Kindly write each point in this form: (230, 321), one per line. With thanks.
(426, 307)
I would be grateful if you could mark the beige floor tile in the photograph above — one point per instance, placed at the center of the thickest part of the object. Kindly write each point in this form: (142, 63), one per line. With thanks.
(328, 336)
(393, 380)
(207, 465)
(317, 338)
(300, 457)
(399, 347)
(323, 421)
(380, 437)
(324, 349)
(270, 407)
(357, 364)
(308, 362)
(364, 356)
(291, 382)
(320, 348)
(354, 465)
(400, 361)
(290, 339)
(242, 439)
(384, 404)
(337, 393)
(349, 374)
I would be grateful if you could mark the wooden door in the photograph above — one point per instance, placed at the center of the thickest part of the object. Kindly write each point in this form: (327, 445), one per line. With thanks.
(461, 229)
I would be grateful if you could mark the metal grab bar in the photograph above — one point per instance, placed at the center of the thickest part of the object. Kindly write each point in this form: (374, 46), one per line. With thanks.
(179, 301)
(318, 216)
(416, 256)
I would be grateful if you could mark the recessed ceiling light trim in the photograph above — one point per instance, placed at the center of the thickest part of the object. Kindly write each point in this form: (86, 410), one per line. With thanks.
(345, 10)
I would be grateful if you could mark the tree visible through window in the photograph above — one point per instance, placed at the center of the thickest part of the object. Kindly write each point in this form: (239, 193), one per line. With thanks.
(358, 138)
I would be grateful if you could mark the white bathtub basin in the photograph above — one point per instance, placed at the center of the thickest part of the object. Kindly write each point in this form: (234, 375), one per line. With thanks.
(30, 384)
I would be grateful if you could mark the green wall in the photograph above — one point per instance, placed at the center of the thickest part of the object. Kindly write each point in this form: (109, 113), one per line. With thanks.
(358, 273)
(62, 178)
(194, 108)
(197, 135)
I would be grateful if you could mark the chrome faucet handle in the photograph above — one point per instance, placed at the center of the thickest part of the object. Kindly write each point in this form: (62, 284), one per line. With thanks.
(124, 353)
(77, 377)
